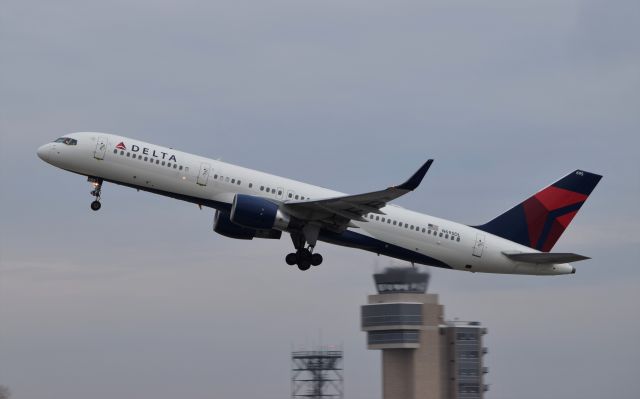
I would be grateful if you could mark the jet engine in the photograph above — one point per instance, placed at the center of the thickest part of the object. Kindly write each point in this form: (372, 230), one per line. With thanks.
(258, 213)
(223, 225)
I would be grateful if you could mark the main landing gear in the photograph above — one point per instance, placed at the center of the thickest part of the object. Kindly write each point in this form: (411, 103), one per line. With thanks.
(304, 257)
(96, 184)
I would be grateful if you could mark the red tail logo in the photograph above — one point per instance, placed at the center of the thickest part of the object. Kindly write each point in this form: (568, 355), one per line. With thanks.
(121, 146)
(548, 214)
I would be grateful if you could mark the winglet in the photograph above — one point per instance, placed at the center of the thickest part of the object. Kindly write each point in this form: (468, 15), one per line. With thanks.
(414, 181)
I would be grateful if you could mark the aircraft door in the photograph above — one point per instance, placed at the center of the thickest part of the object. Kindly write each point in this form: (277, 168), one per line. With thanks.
(203, 175)
(101, 148)
(290, 195)
(280, 193)
(478, 248)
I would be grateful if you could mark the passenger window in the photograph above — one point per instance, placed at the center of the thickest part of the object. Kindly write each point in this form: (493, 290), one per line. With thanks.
(382, 220)
(226, 179)
(115, 151)
(233, 181)
(261, 188)
(394, 222)
(169, 164)
(446, 236)
(458, 239)
(121, 152)
(290, 195)
(238, 182)
(388, 221)
(297, 197)
(180, 168)
(279, 192)
(215, 177)
(175, 166)
(440, 235)
(162, 163)
(250, 185)
(157, 162)
(128, 154)
(377, 217)
(423, 229)
(146, 159)
(139, 156)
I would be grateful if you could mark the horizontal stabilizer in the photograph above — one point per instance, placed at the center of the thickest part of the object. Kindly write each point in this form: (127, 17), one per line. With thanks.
(544, 257)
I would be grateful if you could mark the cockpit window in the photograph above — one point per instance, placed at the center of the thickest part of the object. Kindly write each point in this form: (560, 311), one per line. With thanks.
(67, 141)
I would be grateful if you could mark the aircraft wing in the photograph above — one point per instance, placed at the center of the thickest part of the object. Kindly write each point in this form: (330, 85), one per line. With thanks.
(544, 257)
(340, 211)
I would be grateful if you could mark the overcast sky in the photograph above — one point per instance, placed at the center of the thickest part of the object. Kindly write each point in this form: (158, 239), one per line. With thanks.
(143, 300)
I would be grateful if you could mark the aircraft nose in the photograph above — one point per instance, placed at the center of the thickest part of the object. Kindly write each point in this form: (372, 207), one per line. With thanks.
(43, 152)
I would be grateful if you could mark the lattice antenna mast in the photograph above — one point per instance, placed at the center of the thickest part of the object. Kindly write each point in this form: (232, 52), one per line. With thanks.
(317, 374)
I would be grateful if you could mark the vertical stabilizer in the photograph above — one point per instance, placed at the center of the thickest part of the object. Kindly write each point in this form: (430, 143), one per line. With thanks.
(540, 220)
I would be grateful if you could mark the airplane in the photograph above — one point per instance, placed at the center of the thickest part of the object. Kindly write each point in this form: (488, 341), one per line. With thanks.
(252, 204)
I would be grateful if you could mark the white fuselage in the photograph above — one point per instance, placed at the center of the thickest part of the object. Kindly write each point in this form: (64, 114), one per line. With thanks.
(416, 237)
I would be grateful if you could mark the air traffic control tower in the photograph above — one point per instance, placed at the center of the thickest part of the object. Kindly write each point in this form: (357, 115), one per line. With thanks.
(423, 356)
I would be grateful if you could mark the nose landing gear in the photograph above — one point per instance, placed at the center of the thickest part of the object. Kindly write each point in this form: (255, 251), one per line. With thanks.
(96, 184)
(95, 205)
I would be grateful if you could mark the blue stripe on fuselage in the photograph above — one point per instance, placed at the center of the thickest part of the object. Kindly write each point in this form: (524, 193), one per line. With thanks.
(352, 239)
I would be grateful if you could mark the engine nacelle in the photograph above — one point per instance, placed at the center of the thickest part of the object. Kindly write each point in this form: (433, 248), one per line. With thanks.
(258, 213)
(223, 225)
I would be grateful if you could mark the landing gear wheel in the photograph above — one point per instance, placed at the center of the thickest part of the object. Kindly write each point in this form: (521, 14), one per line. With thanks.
(304, 259)
(304, 265)
(316, 259)
(96, 184)
(291, 259)
(95, 205)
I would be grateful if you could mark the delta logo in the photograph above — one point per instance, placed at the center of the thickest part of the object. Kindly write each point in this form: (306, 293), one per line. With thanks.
(148, 151)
